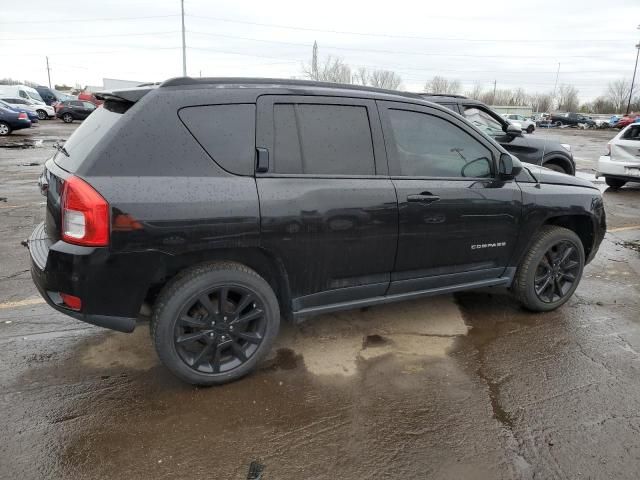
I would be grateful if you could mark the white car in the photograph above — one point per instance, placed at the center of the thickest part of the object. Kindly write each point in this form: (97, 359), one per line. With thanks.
(44, 111)
(622, 163)
(528, 125)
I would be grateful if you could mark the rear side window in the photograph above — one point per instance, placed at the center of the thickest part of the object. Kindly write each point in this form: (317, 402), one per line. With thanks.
(317, 139)
(632, 133)
(226, 132)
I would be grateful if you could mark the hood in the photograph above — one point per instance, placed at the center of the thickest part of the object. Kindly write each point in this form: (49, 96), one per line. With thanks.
(546, 175)
(545, 145)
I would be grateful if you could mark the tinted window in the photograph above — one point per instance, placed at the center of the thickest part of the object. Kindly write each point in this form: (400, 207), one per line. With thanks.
(226, 132)
(76, 104)
(88, 105)
(432, 147)
(632, 133)
(322, 140)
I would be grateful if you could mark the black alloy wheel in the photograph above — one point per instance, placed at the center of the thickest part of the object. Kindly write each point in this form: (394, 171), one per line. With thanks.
(42, 115)
(557, 272)
(220, 329)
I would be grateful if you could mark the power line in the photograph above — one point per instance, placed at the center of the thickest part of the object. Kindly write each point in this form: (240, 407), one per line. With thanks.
(395, 52)
(92, 36)
(388, 35)
(69, 20)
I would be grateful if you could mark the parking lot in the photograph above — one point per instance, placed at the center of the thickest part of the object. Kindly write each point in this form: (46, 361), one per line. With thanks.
(457, 386)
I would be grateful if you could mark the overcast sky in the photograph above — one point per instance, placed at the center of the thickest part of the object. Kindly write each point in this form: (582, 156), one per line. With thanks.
(516, 43)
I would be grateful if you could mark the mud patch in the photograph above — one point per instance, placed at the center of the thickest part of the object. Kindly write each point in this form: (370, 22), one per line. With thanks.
(285, 359)
(373, 341)
(133, 351)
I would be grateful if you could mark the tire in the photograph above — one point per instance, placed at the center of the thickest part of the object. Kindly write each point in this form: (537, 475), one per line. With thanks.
(615, 183)
(5, 129)
(202, 344)
(555, 167)
(559, 123)
(551, 268)
(42, 115)
(530, 129)
(67, 118)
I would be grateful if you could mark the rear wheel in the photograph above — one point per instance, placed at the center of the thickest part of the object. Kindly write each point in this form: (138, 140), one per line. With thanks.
(5, 129)
(67, 118)
(42, 115)
(615, 183)
(215, 323)
(555, 167)
(559, 123)
(551, 269)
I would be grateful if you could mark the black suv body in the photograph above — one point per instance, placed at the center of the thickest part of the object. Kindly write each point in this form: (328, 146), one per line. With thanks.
(247, 200)
(71, 110)
(538, 151)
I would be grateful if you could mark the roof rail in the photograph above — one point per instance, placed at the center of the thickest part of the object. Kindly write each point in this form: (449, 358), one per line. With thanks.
(186, 81)
(426, 94)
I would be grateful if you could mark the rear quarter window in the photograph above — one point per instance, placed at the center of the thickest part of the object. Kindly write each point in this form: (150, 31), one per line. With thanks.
(226, 132)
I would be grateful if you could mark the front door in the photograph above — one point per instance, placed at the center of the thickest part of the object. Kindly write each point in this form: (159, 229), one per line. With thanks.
(458, 221)
(328, 207)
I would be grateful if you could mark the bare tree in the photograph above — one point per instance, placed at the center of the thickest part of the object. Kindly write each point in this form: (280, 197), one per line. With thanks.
(618, 94)
(332, 69)
(541, 102)
(441, 85)
(476, 92)
(11, 81)
(385, 79)
(568, 98)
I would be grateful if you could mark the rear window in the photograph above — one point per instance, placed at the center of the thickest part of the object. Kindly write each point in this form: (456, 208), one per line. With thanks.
(226, 132)
(86, 136)
(322, 140)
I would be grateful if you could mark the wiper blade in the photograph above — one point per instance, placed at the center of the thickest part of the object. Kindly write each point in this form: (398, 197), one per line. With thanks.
(60, 148)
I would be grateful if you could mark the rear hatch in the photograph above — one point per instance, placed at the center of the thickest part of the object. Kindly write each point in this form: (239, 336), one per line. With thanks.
(627, 147)
(70, 156)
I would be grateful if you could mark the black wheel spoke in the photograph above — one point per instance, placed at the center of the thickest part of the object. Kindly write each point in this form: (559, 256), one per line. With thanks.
(570, 265)
(244, 303)
(190, 337)
(569, 276)
(238, 352)
(202, 355)
(249, 337)
(557, 273)
(223, 296)
(192, 322)
(252, 315)
(544, 286)
(215, 362)
(565, 255)
(557, 288)
(205, 301)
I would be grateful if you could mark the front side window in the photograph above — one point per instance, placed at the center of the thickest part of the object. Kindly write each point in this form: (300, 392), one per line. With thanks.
(484, 121)
(318, 139)
(632, 133)
(429, 146)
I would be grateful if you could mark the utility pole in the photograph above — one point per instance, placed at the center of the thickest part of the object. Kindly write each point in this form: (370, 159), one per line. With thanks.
(493, 100)
(48, 71)
(634, 75)
(184, 46)
(314, 62)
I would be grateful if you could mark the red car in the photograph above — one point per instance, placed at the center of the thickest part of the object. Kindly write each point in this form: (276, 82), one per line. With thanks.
(626, 120)
(90, 97)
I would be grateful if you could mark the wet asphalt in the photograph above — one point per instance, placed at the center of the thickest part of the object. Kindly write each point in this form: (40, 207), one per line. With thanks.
(452, 387)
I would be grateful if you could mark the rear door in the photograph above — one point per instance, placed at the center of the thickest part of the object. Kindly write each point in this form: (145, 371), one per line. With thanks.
(458, 222)
(627, 148)
(328, 207)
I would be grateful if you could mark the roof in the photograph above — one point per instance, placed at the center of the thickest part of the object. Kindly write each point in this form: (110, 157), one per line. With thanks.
(277, 82)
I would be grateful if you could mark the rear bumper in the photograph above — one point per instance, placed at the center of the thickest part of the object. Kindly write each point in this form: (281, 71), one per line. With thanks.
(610, 168)
(111, 293)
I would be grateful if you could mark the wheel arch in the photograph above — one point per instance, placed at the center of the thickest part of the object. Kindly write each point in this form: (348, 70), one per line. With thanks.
(581, 225)
(262, 262)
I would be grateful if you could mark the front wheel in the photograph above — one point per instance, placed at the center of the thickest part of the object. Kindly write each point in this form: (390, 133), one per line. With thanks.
(42, 115)
(551, 269)
(530, 129)
(67, 118)
(5, 129)
(214, 323)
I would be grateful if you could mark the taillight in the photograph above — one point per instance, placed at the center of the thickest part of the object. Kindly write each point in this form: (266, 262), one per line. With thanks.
(71, 301)
(608, 149)
(85, 214)
(23, 116)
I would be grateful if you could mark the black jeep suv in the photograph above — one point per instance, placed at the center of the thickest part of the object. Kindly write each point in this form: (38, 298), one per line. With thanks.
(539, 151)
(227, 203)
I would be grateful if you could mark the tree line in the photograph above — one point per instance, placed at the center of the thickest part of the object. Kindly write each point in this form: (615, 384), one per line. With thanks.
(566, 98)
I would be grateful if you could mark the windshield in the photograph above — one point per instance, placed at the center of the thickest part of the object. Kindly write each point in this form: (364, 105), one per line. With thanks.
(484, 121)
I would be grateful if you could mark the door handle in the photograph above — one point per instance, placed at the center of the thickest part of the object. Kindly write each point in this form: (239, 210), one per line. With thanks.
(424, 197)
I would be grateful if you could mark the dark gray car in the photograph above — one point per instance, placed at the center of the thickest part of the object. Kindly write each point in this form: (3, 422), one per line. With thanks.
(539, 151)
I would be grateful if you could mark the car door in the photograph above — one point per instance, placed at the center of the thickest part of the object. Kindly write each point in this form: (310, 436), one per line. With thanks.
(458, 220)
(328, 207)
(86, 109)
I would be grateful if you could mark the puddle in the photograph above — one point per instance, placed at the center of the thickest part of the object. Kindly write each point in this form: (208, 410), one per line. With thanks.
(133, 351)
(28, 143)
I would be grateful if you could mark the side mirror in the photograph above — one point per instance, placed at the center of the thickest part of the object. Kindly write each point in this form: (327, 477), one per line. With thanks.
(513, 130)
(509, 167)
